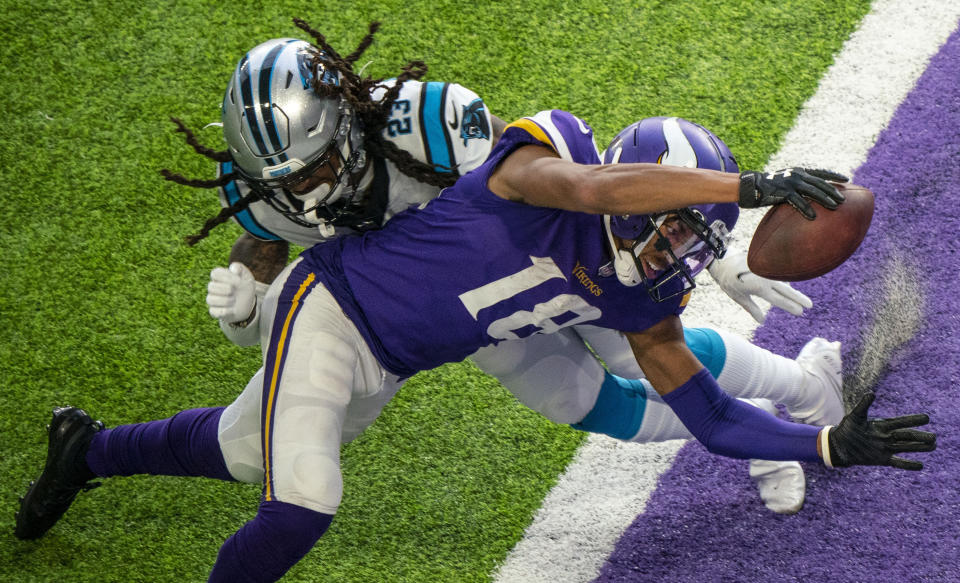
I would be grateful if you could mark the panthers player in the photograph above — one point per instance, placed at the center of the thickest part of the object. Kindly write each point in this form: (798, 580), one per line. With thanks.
(350, 319)
(303, 168)
(300, 169)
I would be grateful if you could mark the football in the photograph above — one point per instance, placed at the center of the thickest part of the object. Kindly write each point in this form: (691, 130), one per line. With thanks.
(788, 247)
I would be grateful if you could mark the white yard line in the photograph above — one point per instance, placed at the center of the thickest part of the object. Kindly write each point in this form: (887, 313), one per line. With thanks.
(608, 482)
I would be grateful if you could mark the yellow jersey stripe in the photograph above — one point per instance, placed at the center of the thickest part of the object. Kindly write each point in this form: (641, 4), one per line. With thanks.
(277, 359)
(531, 127)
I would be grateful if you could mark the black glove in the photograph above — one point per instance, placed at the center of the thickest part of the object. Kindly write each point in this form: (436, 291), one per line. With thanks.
(792, 185)
(873, 442)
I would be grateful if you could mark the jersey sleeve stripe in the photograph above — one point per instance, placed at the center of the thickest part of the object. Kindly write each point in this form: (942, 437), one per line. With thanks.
(545, 120)
(274, 361)
(436, 140)
(441, 119)
(244, 217)
(528, 125)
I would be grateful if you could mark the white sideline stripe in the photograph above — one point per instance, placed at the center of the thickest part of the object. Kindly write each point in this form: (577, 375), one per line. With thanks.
(608, 482)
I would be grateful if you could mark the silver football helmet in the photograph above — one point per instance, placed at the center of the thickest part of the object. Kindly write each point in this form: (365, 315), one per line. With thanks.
(302, 152)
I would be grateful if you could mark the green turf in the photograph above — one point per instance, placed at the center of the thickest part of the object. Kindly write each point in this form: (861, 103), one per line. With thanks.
(101, 304)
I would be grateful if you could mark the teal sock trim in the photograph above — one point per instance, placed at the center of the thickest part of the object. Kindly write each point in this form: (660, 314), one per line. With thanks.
(619, 409)
(708, 347)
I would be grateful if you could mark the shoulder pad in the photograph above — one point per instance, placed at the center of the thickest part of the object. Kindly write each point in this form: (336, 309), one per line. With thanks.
(567, 135)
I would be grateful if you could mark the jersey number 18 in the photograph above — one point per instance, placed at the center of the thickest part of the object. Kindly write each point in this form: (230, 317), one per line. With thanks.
(544, 317)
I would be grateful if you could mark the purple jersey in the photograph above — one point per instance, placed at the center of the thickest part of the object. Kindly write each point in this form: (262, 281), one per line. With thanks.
(470, 268)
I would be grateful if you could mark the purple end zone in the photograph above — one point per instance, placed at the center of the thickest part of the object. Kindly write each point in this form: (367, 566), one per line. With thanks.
(705, 521)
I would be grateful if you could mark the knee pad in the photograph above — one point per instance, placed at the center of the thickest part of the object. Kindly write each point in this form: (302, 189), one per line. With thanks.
(619, 409)
(566, 406)
(708, 347)
(239, 434)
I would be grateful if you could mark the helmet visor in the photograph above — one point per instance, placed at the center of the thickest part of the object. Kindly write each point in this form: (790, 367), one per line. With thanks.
(676, 246)
(314, 193)
(668, 240)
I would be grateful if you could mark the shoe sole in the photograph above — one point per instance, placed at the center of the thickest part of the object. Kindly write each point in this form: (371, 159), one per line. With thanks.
(28, 528)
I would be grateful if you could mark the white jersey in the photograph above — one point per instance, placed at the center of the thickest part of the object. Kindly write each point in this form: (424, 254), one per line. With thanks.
(443, 124)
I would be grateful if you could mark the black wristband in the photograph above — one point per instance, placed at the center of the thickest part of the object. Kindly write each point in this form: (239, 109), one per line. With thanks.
(748, 190)
(245, 323)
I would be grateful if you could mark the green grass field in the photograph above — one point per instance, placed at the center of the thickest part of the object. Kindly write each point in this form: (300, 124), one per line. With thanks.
(102, 304)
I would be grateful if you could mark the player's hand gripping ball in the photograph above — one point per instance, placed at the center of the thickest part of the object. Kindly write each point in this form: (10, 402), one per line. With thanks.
(789, 247)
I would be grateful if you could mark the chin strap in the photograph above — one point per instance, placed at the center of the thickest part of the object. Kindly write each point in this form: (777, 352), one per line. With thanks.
(623, 262)
(368, 210)
(327, 230)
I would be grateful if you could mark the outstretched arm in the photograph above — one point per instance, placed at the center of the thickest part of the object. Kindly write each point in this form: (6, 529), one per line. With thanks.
(536, 175)
(729, 427)
(724, 425)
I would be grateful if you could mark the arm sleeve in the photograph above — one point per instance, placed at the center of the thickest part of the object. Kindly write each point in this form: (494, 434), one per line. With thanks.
(732, 428)
(266, 547)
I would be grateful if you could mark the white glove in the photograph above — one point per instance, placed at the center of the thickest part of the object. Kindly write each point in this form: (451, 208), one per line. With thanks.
(232, 293)
(737, 281)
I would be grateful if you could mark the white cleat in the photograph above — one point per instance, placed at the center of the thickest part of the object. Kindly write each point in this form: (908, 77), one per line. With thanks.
(823, 401)
(782, 485)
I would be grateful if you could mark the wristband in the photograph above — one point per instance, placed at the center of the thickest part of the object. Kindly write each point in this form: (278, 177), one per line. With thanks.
(748, 190)
(250, 318)
(825, 445)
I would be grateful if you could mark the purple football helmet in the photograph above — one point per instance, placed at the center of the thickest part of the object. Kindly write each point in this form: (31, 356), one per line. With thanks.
(667, 250)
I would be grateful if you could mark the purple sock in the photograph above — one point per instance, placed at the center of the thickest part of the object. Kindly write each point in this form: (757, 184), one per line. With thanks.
(267, 546)
(183, 445)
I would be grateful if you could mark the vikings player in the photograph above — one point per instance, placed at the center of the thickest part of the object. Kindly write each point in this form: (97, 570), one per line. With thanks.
(300, 169)
(350, 319)
(742, 369)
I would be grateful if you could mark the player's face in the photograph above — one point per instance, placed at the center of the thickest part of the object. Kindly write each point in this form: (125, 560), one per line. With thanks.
(675, 235)
(324, 175)
(313, 191)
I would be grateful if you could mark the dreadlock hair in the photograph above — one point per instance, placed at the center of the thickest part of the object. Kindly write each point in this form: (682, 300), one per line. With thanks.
(372, 115)
(217, 156)
(356, 91)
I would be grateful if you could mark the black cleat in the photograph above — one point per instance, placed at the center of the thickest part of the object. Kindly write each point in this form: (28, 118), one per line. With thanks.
(65, 474)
